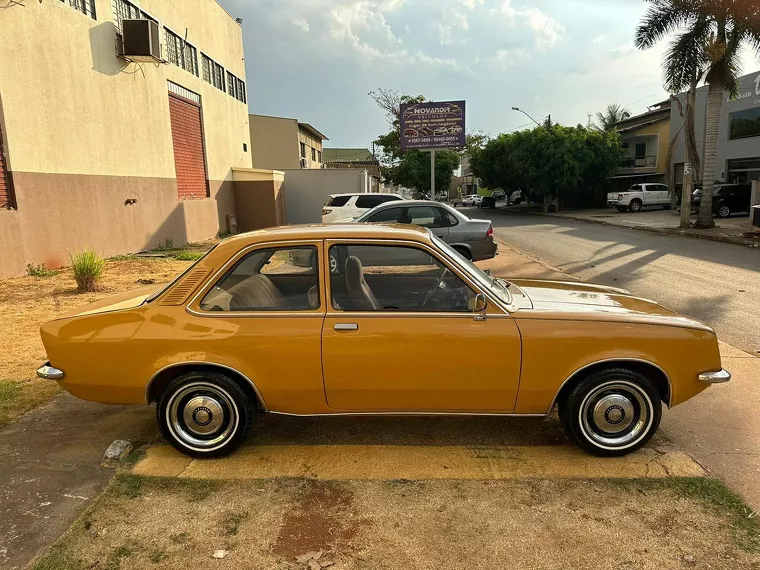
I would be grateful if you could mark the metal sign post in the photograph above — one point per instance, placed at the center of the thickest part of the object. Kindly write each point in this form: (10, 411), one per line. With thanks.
(432, 174)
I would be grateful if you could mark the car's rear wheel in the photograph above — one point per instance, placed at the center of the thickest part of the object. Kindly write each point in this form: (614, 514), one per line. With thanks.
(464, 252)
(635, 206)
(205, 414)
(724, 211)
(612, 412)
(621, 209)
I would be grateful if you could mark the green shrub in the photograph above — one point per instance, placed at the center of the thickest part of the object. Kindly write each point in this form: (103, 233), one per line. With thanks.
(189, 255)
(88, 268)
(40, 271)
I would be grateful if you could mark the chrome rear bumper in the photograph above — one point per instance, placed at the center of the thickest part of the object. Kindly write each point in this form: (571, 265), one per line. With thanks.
(716, 377)
(47, 372)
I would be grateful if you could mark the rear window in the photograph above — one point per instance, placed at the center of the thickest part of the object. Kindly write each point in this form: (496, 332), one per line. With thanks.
(339, 201)
(372, 200)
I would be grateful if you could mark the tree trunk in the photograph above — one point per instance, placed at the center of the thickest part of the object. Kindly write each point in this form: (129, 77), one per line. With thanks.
(712, 130)
(691, 160)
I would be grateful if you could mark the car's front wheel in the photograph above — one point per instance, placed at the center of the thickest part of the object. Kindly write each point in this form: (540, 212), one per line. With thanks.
(611, 412)
(724, 211)
(205, 414)
(636, 206)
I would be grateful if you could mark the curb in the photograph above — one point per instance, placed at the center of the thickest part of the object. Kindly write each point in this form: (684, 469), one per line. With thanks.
(663, 231)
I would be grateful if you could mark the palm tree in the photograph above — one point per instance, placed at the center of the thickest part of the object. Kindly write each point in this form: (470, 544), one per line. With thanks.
(612, 116)
(709, 35)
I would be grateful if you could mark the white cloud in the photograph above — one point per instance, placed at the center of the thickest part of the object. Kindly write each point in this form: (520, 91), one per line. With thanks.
(599, 40)
(507, 57)
(548, 31)
(301, 23)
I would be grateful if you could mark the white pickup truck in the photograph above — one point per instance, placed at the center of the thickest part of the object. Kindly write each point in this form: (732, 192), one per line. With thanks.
(640, 196)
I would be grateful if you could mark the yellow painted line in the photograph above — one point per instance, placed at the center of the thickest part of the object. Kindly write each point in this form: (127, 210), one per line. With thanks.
(386, 462)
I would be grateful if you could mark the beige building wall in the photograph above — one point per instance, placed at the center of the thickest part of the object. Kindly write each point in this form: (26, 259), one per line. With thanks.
(311, 142)
(87, 132)
(274, 142)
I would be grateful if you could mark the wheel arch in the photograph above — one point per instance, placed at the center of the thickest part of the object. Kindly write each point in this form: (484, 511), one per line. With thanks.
(647, 368)
(462, 245)
(161, 379)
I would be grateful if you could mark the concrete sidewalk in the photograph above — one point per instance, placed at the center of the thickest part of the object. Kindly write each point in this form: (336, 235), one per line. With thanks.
(737, 229)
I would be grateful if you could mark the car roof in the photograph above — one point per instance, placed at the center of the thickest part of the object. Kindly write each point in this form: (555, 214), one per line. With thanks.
(363, 194)
(329, 231)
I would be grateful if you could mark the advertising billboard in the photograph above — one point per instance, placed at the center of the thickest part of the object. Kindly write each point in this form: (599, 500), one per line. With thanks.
(432, 125)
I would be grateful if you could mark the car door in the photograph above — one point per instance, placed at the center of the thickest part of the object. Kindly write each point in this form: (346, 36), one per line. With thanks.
(663, 194)
(427, 217)
(400, 335)
(266, 306)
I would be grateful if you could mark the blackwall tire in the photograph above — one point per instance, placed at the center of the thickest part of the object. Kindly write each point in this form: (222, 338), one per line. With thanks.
(635, 206)
(612, 412)
(205, 414)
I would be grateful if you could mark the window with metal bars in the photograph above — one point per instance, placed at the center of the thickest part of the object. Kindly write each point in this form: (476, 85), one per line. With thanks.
(219, 77)
(232, 85)
(85, 6)
(207, 68)
(180, 53)
(241, 91)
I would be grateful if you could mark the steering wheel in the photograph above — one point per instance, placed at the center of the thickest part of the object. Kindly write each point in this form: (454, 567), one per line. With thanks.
(436, 286)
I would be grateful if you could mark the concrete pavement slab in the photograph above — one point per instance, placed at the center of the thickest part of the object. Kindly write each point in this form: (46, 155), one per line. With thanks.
(410, 462)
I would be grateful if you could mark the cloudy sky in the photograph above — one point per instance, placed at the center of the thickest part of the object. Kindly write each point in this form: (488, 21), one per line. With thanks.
(316, 60)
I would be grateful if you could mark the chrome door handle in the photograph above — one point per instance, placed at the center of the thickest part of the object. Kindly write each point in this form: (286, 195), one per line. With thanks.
(346, 327)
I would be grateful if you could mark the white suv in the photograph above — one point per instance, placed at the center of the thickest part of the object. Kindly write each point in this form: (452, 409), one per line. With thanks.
(350, 206)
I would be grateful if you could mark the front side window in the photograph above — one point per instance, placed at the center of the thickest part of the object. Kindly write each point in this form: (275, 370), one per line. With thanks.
(394, 279)
(272, 279)
(386, 216)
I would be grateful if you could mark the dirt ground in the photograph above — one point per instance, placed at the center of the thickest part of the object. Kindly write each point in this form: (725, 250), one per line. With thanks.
(400, 524)
(28, 302)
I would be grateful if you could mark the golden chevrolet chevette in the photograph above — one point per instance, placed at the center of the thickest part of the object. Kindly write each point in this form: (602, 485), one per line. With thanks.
(365, 319)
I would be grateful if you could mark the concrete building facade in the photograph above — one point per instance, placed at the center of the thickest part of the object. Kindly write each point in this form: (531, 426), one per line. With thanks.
(645, 139)
(279, 143)
(739, 138)
(99, 152)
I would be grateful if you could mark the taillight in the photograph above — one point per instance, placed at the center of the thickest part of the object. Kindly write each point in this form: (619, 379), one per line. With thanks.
(489, 233)
(620, 196)
(326, 211)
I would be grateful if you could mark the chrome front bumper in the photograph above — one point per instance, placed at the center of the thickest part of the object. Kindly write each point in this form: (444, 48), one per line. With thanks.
(47, 372)
(715, 377)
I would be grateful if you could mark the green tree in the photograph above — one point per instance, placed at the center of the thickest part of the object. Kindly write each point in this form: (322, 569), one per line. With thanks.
(709, 37)
(611, 116)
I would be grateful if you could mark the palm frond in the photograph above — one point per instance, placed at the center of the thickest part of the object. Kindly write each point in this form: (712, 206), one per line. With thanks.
(662, 19)
(686, 57)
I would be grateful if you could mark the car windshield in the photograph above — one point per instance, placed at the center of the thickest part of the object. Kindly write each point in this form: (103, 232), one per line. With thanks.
(498, 287)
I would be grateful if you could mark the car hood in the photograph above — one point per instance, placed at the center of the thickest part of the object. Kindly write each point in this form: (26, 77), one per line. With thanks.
(120, 302)
(587, 301)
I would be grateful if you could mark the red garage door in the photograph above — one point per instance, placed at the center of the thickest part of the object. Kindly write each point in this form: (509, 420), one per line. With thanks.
(189, 157)
(5, 187)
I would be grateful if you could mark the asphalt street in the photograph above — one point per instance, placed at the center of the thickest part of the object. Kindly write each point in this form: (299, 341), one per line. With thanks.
(718, 283)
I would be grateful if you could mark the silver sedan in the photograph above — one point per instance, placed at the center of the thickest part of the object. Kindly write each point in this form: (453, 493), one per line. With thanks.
(472, 238)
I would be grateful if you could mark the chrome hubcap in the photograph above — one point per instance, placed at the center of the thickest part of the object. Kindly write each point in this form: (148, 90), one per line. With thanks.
(616, 414)
(202, 416)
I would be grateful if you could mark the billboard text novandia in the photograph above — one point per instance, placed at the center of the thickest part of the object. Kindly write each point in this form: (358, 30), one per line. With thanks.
(432, 125)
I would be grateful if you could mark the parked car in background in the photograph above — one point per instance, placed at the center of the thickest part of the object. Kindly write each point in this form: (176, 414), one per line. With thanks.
(471, 200)
(487, 202)
(727, 199)
(348, 335)
(347, 206)
(472, 238)
(499, 195)
(640, 196)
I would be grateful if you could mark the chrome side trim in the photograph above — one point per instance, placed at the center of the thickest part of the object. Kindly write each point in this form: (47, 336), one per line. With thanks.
(582, 368)
(47, 372)
(719, 377)
(464, 414)
(206, 363)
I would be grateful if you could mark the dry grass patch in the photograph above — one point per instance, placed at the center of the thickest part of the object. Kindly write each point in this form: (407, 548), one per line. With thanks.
(520, 524)
(28, 302)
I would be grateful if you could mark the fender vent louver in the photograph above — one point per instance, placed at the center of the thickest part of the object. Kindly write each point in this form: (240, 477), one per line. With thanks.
(180, 293)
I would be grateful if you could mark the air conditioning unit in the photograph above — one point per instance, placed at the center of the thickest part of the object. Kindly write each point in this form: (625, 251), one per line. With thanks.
(140, 40)
(304, 163)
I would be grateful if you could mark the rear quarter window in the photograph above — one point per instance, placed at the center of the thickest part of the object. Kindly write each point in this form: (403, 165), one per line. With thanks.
(339, 201)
